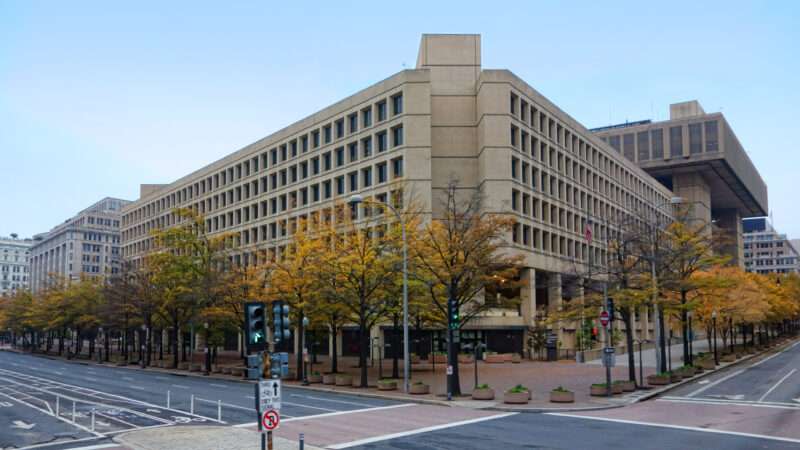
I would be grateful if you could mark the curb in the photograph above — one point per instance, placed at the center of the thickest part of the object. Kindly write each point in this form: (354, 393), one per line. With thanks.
(554, 410)
(707, 373)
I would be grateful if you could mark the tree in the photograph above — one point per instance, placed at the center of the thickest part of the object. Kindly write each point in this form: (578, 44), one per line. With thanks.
(458, 255)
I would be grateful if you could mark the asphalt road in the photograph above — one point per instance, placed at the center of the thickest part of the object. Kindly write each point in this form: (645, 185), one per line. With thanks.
(34, 387)
(543, 431)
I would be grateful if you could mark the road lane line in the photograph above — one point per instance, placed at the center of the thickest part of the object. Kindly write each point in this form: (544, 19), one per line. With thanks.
(386, 437)
(776, 385)
(676, 427)
(51, 444)
(180, 386)
(367, 405)
(774, 405)
(136, 387)
(352, 411)
(218, 385)
(708, 386)
(61, 418)
(300, 405)
(776, 354)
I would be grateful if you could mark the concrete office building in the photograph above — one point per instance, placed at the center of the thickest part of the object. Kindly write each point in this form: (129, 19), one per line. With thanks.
(697, 156)
(14, 267)
(410, 136)
(87, 244)
(766, 250)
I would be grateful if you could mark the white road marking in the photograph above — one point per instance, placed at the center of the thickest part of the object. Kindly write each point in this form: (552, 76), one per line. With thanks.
(218, 385)
(136, 387)
(777, 384)
(352, 411)
(250, 397)
(703, 382)
(127, 378)
(366, 405)
(92, 379)
(161, 378)
(676, 427)
(180, 386)
(417, 431)
(710, 385)
(776, 354)
(22, 425)
(708, 401)
(308, 406)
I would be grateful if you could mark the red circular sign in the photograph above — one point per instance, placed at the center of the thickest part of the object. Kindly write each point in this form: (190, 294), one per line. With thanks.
(270, 420)
(604, 318)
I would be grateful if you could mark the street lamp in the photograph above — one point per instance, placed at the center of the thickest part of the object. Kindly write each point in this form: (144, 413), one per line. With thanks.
(355, 200)
(691, 339)
(714, 326)
(208, 350)
(143, 347)
(304, 350)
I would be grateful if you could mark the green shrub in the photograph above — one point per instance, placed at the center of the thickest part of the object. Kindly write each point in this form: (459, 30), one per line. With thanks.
(482, 386)
(561, 389)
(518, 389)
(602, 385)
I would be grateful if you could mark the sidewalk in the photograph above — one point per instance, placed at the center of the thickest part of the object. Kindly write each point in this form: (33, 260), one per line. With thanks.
(201, 438)
(649, 355)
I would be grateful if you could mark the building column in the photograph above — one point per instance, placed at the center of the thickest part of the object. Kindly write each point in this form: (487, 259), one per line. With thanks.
(554, 299)
(730, 223)
(528, 302)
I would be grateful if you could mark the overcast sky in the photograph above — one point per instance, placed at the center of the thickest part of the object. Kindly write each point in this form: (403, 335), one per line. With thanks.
(98, 97)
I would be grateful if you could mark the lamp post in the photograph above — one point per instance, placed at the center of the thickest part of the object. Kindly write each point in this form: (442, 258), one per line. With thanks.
(355, 200)
(304, 350)
(691, 339)
(207, 350)
(714, 332)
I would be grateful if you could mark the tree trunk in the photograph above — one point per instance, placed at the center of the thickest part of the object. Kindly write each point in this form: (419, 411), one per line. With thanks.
(452, 348)
(174, 332)
(685, 328)
(363, 348)
(335, 351)
(395, 347)
(300, 345)
(626, 319)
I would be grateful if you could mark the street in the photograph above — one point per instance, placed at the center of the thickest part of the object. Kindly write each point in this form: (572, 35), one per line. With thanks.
(754, 405)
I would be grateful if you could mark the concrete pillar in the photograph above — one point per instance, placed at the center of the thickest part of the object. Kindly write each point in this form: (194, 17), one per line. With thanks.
(729, 222)
(528, 296)
(696, 194)
(554, 299)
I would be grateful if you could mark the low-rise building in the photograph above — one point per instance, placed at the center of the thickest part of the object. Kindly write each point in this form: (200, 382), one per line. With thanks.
(766, 250)
(14, 264)
(87, 244)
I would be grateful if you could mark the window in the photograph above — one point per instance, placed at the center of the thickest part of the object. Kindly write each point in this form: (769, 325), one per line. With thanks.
(657, 138)
(315, 166)
(382, 176)
(712, 136)
(382, 141)
(353, 120)
(339, 128)
(514, 166)
(326, 188)
(340, 185)
(304, 143)
(613, 141)
(366, 145)
(352, 148)
(327, 134)
(273, 154)
(513, 104)
(397, 136)
(366, 177)
(513, 136)
(315, 193)
(676, 141)
(643, 145)
(353, 181)
(381, 110)
(284, 156)
(397, 167)
(627, 146)
(397, 104)
(695, 138)
(366, 117)
(293, 146)
(339, 156)
(326, 161)
(315, 138)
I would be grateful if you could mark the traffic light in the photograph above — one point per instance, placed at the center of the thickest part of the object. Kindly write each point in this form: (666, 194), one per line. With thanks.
(280, 321)
(453, 314)
(610, 309)
(255, 327)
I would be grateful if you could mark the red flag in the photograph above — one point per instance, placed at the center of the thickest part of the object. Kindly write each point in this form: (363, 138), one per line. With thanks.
(588, 232)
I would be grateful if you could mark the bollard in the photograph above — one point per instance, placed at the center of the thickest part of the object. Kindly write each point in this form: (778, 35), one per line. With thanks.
(302, 441)
(93, 410)
(191, 405)
(58, 400)
(167, 399)
(73, 411)
(219, 410)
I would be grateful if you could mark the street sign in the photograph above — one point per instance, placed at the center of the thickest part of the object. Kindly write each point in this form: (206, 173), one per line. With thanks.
(609, 359)
(268, 395)
(270, 420)
(609, 350)
(449, 370)
(604, 318)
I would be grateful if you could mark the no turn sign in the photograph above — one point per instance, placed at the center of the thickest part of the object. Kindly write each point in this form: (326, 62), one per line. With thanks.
(604, 318)
(270, 420)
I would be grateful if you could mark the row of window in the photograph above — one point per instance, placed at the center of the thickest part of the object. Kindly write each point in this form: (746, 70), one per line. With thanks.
(356, 121)
(649, 144)
(552, 243)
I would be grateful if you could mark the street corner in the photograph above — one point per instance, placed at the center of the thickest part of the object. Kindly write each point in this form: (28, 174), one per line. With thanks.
(202, 438)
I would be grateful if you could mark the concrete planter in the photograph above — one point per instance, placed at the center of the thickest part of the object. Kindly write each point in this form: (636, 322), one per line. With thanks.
(674, 377)
(440, 359)
(705, 363)
(616, 388)
(183, 365)
(344, 380)
(599, 391)
(562, 397)
(658, 380)
(516, 398)
(415, 359)
(515, 358)
(196, 367)
(238, 371)
(329, 378)
(483, 394)
(466, 359)
(494, 359)
(728, 357)
(626, 385)
(387, 385)
(226, 370)
(315, 379)
(419, 389)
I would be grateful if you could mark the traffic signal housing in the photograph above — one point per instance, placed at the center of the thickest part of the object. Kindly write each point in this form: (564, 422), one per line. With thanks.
(255, 327)
(281, 326)
(453, 314)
